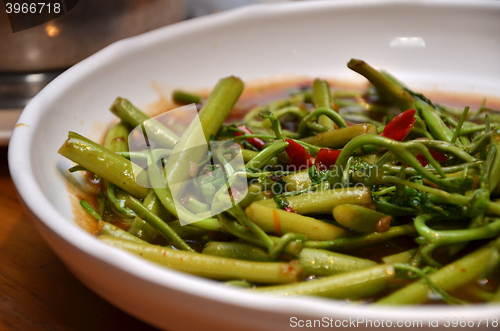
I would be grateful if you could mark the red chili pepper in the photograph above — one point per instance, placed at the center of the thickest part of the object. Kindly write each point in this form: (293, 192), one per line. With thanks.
(290, 210)
(256, 142)
(299, 157)
(438, 156)
(326, 158)
(277, 223)
(400, 126)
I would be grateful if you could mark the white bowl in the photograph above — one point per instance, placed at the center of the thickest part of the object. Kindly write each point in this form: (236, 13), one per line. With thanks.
(453, 45)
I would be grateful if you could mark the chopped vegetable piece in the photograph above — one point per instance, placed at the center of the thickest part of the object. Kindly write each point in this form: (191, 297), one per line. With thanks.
(299, 156)
(400, 126)
(326, 158)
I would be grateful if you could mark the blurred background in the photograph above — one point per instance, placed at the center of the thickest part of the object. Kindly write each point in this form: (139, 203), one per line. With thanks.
(37, 292)
(31, 58)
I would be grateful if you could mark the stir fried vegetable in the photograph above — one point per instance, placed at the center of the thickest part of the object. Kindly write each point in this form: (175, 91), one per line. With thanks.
(380, 196)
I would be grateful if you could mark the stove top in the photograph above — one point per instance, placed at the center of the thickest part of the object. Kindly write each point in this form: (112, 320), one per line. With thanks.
(16, 90)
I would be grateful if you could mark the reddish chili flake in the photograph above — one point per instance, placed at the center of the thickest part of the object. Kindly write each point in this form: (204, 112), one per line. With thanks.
(462, 270)
(100, 225)
(400, 126)
(326, 158)
(256, 142)
(438, 156)
(290, 210)
(277, 225)
(299, 157)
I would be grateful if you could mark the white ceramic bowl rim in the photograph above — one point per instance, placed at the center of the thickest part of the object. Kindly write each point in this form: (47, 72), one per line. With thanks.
(21, 168)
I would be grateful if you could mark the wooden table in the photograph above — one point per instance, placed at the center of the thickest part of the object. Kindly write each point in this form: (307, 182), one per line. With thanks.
(37, 292)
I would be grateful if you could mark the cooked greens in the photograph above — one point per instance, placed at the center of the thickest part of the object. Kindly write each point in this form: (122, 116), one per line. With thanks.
(379, 196)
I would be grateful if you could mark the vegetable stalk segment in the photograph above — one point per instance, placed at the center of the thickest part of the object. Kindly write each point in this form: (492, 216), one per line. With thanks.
(323, 202)
(185, 98)
(338, 138)
(322, 97)
(280, 222)
(213, 267)
(114, 231)
(398, 94)
(450, 277)
(212, 115)
(156, 222)
(139, 227)
(350, 285)
(131, 115)
(320, 262)
(361, 219)
(106, 164)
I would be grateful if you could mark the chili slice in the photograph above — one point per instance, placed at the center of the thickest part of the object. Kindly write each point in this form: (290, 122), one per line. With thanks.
(400, 126)
(326, 158)
(256, 142)
(299, 156)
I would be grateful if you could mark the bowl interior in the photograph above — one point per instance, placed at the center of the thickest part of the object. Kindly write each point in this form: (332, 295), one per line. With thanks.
(443, 46)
